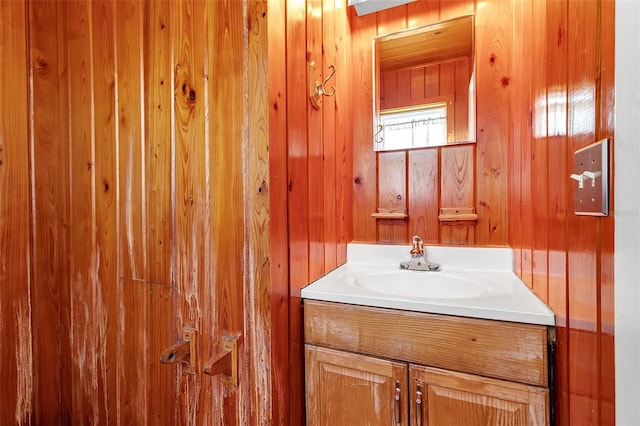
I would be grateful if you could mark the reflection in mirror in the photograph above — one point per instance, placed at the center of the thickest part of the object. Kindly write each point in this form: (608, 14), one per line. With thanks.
(424, 86)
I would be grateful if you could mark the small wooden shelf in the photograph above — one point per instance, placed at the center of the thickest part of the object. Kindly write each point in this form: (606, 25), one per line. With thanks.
(390, 214)
(458, 214)
(397, 215)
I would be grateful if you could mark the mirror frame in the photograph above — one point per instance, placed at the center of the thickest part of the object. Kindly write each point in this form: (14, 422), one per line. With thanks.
(434, 29)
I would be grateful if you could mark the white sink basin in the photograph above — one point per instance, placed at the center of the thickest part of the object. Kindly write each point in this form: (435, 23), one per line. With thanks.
(473, 282)
(424, 285)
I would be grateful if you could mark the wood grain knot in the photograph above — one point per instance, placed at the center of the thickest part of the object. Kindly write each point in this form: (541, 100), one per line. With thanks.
(505, 81)
(192, 95)
(41, 64)
(358, 180)
(560, 36)
(492, 59)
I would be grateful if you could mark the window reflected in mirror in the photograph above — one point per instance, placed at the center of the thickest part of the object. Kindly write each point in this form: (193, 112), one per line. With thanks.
(404, 128)
(424, 86)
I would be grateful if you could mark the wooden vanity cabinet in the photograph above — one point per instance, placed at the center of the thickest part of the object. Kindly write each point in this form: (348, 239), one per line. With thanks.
(377, 366)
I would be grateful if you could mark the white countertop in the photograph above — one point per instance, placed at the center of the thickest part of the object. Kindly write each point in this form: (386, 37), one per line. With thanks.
(501, 296)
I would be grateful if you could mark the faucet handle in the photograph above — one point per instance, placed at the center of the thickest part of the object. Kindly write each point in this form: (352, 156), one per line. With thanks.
(418, 245)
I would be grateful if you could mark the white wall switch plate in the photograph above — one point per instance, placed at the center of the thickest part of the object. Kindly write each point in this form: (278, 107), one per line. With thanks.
(591, 179)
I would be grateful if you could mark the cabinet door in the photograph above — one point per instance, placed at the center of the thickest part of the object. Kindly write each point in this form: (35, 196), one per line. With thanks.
(447, 398)
(354, 390)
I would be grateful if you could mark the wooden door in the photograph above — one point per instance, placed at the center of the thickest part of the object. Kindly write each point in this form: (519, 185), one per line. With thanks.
(448, 398)
(351, 389)
(150, 172)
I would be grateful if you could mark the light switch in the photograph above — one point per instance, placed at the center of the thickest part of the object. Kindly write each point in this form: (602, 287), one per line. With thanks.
(591, 179)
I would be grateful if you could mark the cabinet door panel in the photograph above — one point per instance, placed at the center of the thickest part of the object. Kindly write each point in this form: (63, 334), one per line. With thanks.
(453, 399)
(350, 389)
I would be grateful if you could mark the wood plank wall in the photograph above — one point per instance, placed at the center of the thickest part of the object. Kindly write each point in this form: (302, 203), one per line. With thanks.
(148, 154)
(311, 174)
(17, 384)
(423, 181)
(528, 125)
(566, 104)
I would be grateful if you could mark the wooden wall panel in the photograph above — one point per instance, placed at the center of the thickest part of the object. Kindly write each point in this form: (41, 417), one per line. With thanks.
(571, 267)
(86, 304)
(557, 204)
(423, 194)
(493, 65)
(456, 183)
(17, 369)
(132, 214)
(298, 201)
(392, 194)
(539, 159)
(330, 134)
(315, 119)
(343, 133)
(50, 194)
(147, 235)
(105, 164)
(518, 108)
(278, 209)
(363, 29)
(257, 290)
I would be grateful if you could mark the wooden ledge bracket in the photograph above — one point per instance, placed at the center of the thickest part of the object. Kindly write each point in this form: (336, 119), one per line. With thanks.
(183, 351)
(225, 362)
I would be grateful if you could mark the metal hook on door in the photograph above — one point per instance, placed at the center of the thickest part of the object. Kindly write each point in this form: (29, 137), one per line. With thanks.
(317, 88)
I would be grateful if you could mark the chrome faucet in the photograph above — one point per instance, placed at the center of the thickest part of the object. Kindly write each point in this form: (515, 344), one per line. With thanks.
(418, 261)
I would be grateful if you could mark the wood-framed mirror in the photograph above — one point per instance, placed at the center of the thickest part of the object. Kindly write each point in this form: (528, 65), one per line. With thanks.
(424, 86)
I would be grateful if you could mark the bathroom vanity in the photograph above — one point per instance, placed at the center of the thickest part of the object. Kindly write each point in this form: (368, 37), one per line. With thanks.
(381, 355)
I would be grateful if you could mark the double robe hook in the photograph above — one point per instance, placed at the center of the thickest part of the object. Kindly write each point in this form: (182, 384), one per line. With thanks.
(317, 88)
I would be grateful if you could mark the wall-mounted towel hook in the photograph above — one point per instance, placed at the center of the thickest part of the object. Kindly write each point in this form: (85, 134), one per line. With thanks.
(317, 88)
